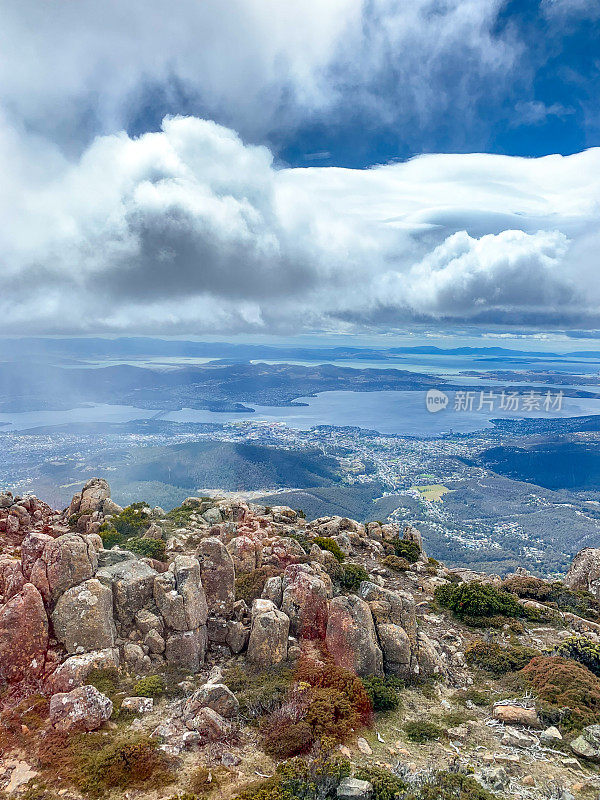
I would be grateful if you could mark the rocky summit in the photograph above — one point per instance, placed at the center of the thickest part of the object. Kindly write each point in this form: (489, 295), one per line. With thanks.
(230, 650)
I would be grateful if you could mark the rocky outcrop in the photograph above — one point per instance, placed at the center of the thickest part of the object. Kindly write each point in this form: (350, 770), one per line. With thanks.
(584, 572)
(352, 638)
(268, 643)
(304, 601)
(83, 709)
(587, 744)
(83, 617)
(23, 635)
(396, 622)
(246, 554)
(132, 584)
(74, 672)
(64, 562)
(218, 576)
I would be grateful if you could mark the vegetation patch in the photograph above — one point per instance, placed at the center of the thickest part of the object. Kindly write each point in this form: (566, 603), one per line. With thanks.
(570, 690)
(582, 649)
(301, 779)
(420, 731)
(408, 550)
(327, 543)
(555, 594)
(152, 548)
(492, 657)
(386, 785)
(384, 693)
(249, 587)
(450, 786)
(150, 686)
(396, 563)
(352, 576)
(476, 599)
(258, 693)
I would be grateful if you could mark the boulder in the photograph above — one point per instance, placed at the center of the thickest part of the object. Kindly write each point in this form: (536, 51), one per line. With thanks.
(268, 641)
(218, 576)
(212, 695)
(64, 562)
(209, 725)
(516, 715)
(354, 789)
(12, 579)
(132, 583)
(83, 617)
(305, 602)
(246, 554)
(83, 709)
(584, 572)
(93, 495)
(186, 649)
(351, 636)
(23, 635)
(74, 671)
(179, 595)
(273, 590)
(587, 745)
(139, 705)
(396, 622)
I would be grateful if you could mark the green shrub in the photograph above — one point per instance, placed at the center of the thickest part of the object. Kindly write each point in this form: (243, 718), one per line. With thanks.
(150, 686)
(384, 693)
(106, 680)
(249, 587)
(132, 761)
(353, 575)
(408, 550)
(152, 548)
(386, 785)
(477, 600)
(420, 731)
(304, 542)
(131, 521)
(110, 537)
(450, 786)
(396, 563)
(258, 693)
(301, 779)
(491, 657)
(327, 543)
(556, 594)
(289, 740)
(582, 649)
(567, 685)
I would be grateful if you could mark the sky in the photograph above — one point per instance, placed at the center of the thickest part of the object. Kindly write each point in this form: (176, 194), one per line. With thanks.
(265, 168)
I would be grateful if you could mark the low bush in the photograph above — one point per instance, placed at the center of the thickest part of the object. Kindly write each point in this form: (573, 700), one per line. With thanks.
(301, 779)
(352, 576)
(477, 600)
(128, 762)
(107, 681)
(249, 587)
(386, 785)
(582, 649)
(420, 731)
(556, 594)
(492, 657)
(152, 548)
(396, 563)
(408, 550)
(258, 693)
(384, 693)
(288, 740)
(450, 786)
(150, 686)
(131, 521)
(567, 687)
(327, 543)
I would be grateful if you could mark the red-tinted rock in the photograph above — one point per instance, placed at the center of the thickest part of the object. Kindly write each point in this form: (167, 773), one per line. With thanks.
(23, 635)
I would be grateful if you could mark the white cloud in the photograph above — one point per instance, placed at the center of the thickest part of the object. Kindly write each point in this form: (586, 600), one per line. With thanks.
(75, 69)
(190, 230)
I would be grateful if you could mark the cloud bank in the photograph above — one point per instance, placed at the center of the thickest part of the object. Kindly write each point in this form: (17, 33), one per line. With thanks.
(190, 230)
